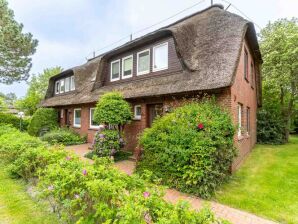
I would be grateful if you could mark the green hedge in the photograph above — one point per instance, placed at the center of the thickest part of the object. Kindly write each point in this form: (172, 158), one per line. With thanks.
(270, 127)
(63, 136)
(84, 193)
(14, 121)
(43, 118)
(190, 149)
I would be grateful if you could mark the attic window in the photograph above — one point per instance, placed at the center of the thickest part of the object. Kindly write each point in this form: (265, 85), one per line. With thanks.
(127, 67)
(143, 62)
(62, 87)
(67, 84)
(160, 57)
(72, 83)
(245, 64)
(115, 70)
(57, 87)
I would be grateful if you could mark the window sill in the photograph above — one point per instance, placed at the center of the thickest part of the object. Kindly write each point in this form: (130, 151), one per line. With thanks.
(93, 128)
(242, 137)
(136, 119)
(78, 127)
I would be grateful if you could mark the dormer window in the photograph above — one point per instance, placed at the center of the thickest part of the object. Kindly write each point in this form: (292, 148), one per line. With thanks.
(115, 70)
(127, 67)
(160, 57)
(64, 85)
(143, 62)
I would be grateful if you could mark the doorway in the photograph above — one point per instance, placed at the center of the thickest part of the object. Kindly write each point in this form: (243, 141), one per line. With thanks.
(154, 110)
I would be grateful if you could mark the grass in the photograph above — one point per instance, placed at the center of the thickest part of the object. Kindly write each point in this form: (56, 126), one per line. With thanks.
(267, 183)
(17, 207)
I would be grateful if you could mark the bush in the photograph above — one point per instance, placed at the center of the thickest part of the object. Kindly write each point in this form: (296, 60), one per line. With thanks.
(63, 136)
(106, 142)
(270, 127)
(43, 119)
(119, 156)
(112, 109)
(14, 121)
(190, 149)
(30, 162)
(85, 193)
(14, 143)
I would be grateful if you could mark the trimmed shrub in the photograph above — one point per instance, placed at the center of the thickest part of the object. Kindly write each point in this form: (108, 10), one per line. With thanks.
(270, 127)
(63, 136)
(112, 109)
(191, 148)
(43, 119)
(14, 121)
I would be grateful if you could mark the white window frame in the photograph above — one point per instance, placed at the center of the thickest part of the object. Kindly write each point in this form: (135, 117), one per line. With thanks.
(113, 62)
(147, 71)
(72, 83)
(239, 119)
(137, 117)
(62, 80)
(122, 72)
(74, 118)
(57, 89)
(90, 120)
(153, 62)
(67, 80)
(61, 113)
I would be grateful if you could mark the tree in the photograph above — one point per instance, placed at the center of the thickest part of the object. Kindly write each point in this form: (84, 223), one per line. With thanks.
(9, 98)
(37, 90)
(16, 47)
(279, 47)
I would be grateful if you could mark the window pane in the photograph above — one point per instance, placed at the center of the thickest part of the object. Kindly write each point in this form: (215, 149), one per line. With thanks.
(245, 64)
(57, 87)
(72, 83)
(161, 57)
(77, 117)
(62, 87)
(93, 123)
(115, 70)
(138, 111)
(67, 84)
(144, 62)
(127, 66)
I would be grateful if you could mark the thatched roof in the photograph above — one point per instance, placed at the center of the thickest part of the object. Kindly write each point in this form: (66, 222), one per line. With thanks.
(208, 43)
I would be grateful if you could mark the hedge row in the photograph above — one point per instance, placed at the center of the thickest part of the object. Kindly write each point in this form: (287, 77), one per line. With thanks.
(85, 193)
(13, 120)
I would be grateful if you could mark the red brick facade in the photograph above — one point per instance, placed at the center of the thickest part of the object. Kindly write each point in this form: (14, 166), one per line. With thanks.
(243, 91)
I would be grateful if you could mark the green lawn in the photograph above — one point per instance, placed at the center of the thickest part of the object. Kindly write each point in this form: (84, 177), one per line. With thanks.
(16, 206)
(267, 183)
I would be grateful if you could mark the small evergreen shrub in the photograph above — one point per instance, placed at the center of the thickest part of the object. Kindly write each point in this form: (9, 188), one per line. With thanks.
(191, 148)
(63, 136)
(112, 109)
(14, 121)
(43, 118)
(270, 127)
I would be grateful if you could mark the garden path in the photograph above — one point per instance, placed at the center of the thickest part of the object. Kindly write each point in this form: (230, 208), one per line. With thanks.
(235, 216)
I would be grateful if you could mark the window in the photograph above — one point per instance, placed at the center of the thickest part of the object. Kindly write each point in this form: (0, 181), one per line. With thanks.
(127, 67)
(160, 57)
(61, 113)
(62, 87)
(252, 74)
(77, 118)
(143, 62)
(115, 70)
(245, 64)
(67, 84)
(248, 120)
(93, 124)
(137, 112)
(239, 119)
(72, 83)
(57, 87)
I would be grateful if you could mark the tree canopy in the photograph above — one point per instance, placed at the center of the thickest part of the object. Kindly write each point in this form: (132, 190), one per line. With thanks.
(279, 47)
(16, 47)
(37, 90)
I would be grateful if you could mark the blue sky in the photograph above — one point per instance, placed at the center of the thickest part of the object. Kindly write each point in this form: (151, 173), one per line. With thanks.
(70, 30)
